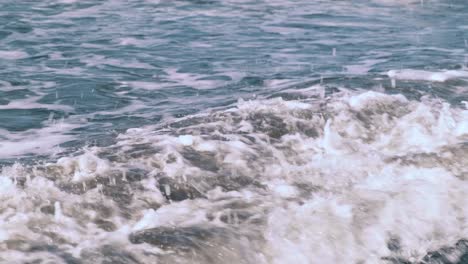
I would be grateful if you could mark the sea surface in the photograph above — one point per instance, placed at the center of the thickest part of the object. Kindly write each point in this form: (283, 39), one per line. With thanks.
(234, 131)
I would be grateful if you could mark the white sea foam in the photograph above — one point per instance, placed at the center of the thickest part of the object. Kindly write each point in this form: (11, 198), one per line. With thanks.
(432, 76)
(295, 181)
(98, 60)
(190, 79)
(31, 103)
(349, 221)
(363, 67)
(35, 141)
(186, 140)
(12, 54)
(145, 85)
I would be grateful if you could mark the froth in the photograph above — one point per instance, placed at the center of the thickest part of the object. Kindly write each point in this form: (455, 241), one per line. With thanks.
(356, 178)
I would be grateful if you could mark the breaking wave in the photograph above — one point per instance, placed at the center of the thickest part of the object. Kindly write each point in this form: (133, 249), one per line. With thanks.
(354, 177)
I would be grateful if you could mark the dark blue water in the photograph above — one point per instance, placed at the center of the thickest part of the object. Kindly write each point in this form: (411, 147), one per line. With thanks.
(261, 102)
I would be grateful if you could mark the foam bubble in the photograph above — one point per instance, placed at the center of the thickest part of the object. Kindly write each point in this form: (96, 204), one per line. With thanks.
(186, 140)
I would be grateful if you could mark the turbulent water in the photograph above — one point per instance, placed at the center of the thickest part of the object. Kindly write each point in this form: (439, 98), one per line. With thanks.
(236, 131)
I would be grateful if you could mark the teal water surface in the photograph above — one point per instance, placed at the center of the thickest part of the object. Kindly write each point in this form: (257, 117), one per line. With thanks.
(113, 65)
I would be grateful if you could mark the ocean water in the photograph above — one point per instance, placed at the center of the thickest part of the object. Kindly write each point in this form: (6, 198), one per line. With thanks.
(234, 131)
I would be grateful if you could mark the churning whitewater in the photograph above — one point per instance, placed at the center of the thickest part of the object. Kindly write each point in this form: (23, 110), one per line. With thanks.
(354, 177)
